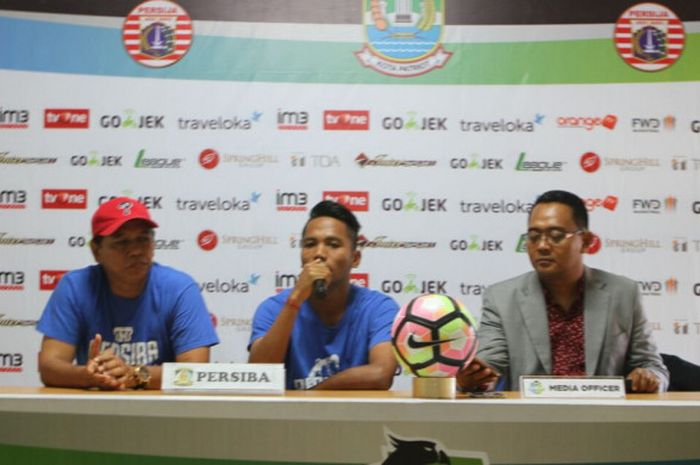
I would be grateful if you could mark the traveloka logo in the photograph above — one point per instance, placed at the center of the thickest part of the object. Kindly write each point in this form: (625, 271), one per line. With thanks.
(538, 166)
(220, 123)
(229, 286)
(403, 37)
(142, 161)
(500, 207)
(502, 125)
(218, 204)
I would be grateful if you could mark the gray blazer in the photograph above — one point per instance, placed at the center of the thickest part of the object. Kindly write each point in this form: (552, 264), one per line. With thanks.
(514, 331)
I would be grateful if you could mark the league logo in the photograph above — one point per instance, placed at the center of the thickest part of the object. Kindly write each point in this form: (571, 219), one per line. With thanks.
(649, 37)
(403, 36)
(157, 33)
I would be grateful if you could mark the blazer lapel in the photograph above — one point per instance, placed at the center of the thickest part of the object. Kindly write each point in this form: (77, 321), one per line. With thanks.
(534, 312)
(596, 303)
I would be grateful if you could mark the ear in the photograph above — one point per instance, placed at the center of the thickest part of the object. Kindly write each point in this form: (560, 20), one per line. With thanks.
(95, 250)
(587, 240)
(356, 258)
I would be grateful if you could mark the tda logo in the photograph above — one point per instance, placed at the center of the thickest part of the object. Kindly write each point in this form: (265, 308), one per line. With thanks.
(475, 244)
(64, 198)
(414, 122)
(66, 118)
(411, 285)
(412, 203)
(353, 200)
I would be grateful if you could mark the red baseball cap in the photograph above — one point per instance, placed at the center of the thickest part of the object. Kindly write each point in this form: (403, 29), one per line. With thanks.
(113, 214)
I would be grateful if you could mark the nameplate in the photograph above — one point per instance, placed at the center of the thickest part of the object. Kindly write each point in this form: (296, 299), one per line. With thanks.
(557, 387)
(239, 378)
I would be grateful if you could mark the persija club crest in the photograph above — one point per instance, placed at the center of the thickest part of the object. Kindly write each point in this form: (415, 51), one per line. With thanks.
(157, 33)
(403, 36)
(649, 37)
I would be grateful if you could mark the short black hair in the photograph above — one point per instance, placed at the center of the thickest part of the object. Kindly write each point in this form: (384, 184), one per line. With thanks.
(578, 208)
(339, 212)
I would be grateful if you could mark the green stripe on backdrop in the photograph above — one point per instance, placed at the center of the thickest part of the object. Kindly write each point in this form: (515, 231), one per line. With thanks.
(557, 62)
(45, 456)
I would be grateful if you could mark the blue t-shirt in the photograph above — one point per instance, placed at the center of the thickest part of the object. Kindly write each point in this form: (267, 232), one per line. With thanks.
(317, 351)
(167, 319)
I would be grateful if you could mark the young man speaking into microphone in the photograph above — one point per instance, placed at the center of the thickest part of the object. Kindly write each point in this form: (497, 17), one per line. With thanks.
(329, 333)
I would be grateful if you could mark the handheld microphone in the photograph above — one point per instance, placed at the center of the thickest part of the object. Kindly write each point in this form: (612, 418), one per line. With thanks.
(320, 288)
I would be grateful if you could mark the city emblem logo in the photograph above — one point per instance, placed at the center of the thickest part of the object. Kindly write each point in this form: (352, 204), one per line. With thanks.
(157, 33)
(403, 36)
(649, 37)
(184, 377)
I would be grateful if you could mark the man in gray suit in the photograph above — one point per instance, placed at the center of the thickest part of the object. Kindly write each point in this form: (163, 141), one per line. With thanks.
(563, 318)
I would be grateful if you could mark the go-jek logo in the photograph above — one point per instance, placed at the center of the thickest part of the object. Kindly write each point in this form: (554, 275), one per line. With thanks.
(410, 285)
(414, 122)
(474, 162)
(130, 120)
(474, 244)
(414, 204)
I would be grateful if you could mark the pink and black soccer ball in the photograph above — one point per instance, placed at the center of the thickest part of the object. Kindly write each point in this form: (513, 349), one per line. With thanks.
(434, 335)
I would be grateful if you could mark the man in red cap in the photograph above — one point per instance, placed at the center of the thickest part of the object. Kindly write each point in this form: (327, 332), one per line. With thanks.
(124, 317)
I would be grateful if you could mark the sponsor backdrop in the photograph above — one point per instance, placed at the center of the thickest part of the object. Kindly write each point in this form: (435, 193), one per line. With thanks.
(437, 122)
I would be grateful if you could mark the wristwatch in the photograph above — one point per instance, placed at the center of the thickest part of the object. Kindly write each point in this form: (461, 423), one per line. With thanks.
(141, 377)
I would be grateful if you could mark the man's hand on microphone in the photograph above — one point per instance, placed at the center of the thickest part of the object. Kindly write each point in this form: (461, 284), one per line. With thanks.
(310, 273)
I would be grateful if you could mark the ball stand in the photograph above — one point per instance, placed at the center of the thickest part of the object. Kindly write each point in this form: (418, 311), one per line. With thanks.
(434, 388)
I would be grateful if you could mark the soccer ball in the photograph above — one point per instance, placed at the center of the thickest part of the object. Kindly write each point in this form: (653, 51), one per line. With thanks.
(434, 336)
